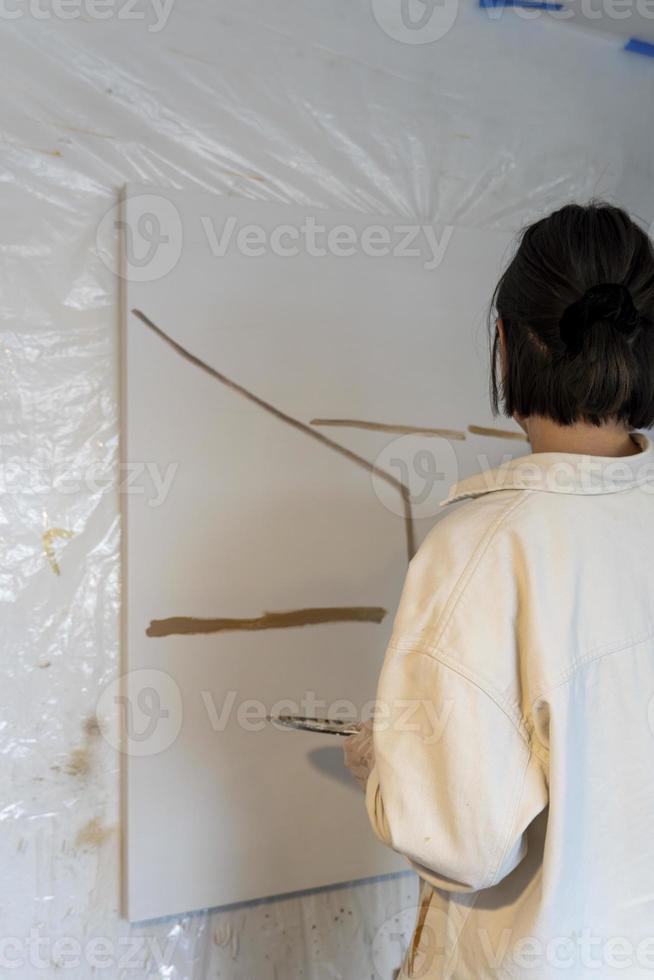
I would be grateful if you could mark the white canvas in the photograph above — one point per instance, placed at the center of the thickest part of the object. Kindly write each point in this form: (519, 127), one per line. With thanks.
(261, 516)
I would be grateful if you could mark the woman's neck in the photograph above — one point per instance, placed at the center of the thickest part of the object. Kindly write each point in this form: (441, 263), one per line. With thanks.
(610, 439)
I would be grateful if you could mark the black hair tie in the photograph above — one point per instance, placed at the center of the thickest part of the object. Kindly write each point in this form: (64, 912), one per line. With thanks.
(609, 302)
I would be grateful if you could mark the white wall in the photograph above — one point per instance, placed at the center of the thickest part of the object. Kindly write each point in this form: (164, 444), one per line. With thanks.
(289, 101)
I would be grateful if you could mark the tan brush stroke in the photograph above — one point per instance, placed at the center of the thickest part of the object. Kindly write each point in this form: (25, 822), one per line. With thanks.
(392, 427)
(418, 931)
(47, 538)
(296, 424)
(178, 625)
(484, 430)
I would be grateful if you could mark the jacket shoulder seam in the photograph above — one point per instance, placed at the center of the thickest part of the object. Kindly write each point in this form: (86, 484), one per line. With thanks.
(471, 566)
(441, 657)
(592, 656)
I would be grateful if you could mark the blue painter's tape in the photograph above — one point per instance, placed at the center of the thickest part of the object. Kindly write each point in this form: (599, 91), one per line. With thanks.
(640, 47)
(529, 4)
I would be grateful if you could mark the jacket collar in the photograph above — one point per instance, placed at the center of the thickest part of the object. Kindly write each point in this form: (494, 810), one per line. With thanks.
(563, 473)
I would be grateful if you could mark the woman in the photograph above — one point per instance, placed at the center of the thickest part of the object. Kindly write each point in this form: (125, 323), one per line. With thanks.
(512, 758)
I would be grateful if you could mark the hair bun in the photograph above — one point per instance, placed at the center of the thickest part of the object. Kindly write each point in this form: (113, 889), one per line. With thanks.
(609, 302)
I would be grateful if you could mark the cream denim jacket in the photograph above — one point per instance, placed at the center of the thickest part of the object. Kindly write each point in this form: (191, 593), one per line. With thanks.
(514, 741)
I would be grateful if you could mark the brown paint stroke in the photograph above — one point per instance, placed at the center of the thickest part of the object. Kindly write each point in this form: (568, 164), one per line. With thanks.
(483, 430)
(238, 173)
(392, 427)
(417, 935)
(47, 153)
(296, 424)
(87, 132)
(178, 625)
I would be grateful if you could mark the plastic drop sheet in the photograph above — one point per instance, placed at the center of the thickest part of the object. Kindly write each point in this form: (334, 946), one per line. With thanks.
(490, 123)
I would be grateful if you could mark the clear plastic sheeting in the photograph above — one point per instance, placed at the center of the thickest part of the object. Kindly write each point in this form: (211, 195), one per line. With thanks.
(495, 120)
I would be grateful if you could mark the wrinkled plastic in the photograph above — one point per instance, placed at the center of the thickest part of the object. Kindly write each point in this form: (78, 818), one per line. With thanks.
(498, 120)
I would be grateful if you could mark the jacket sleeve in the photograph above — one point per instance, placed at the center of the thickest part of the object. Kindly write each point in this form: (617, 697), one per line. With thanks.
(455, 784)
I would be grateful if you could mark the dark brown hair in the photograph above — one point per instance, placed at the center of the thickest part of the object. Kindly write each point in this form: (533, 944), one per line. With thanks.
(577, 305)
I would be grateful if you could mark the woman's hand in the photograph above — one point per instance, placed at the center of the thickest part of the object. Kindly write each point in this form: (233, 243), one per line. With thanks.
(360, 754)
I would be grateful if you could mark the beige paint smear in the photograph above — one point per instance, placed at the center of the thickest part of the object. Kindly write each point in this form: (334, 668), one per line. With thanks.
(48, 153)
(226, 935)
(79, 763)
(91, 726)
(392, 427)
(178, 625)
(48, 546)
(93, 834)
(485, 430)
(86, 132)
